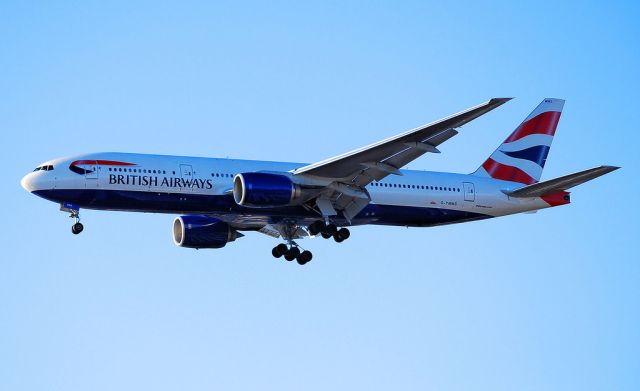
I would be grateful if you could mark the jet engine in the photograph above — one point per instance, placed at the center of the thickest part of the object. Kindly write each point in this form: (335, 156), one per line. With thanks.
(266, 190)
(202, 232)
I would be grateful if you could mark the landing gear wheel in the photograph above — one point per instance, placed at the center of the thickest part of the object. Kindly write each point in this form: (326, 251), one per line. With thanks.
(326, 235)
(316, 227)
(292, 254)
(77, 228)
(279, 250)
(331, 229)
(344, 233)
(338, 238)
(304, 257)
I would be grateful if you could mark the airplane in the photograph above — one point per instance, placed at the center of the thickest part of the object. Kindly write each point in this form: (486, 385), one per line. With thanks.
(217, 199)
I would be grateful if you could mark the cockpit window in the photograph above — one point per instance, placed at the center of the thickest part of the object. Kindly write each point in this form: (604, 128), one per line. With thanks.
(44, 168)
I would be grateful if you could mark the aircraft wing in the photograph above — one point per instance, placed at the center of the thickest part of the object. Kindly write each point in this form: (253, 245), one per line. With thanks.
(375, 161)
(348, 174)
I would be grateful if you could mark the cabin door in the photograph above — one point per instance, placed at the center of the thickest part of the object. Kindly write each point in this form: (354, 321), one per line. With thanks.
(469, 191)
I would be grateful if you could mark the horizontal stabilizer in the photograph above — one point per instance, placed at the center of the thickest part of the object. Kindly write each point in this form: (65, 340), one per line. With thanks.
(559, 184)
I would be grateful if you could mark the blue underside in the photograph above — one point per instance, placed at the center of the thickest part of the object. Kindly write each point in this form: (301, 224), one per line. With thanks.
(225, 207)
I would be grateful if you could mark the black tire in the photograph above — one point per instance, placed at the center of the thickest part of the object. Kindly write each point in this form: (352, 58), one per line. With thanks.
(316, 227)
(344, 233)
(77, 228)
(289, 257)
(338, 238)
(304, 257)
(282, 249)
(276, 253)
(331, 229)
(326, 235)
(294, 252)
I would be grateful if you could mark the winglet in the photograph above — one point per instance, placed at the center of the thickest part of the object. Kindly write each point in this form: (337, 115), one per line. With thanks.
(499, 100)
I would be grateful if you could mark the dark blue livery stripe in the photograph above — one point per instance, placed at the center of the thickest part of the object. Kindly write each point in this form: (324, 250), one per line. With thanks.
(225, 206)
(537, 154)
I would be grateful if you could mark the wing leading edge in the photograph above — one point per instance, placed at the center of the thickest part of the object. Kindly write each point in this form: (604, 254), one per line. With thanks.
(375, 161)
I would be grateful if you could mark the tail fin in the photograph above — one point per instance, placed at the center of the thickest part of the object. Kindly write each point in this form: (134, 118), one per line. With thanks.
(522, 156)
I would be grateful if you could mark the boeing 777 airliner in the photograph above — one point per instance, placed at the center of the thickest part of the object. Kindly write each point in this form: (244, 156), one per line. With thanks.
(218, 198)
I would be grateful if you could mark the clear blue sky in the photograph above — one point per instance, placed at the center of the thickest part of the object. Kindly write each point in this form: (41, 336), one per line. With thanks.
(547, 301)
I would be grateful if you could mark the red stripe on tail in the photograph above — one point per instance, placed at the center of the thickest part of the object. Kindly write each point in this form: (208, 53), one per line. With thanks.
(507, 173)
(543, 123)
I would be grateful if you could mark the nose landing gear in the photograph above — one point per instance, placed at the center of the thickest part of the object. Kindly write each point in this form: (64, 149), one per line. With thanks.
(74, 213)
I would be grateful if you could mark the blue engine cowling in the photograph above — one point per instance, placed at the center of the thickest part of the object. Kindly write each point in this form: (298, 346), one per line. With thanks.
(263, 190)
(202, 232)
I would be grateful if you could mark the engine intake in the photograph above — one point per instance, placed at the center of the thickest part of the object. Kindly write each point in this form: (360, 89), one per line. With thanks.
(202, 232)
(264, 190)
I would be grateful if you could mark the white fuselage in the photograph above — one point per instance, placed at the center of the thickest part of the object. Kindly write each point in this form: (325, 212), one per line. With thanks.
(194, 185)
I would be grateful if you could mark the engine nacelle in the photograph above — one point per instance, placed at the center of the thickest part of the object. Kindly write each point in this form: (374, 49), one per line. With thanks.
(264, 190)
(202, 232)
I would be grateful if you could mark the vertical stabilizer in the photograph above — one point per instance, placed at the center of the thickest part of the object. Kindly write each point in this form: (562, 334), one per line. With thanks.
(521, 157)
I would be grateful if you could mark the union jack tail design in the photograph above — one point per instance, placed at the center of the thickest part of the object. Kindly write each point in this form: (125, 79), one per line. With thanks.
(522, 156)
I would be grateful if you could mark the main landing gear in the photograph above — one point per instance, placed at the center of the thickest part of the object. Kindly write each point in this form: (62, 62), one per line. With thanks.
(329, 231)
(292, 252)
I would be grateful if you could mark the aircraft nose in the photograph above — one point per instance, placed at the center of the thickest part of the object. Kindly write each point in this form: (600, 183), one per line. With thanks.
(27, 182)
